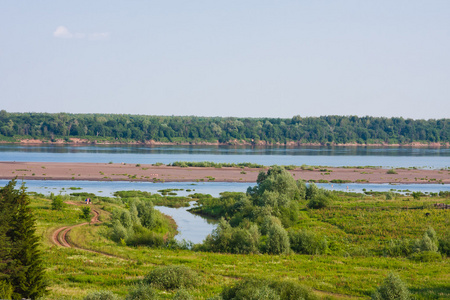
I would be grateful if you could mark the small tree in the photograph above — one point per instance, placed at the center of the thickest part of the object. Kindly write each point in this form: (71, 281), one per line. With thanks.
(319, 201)
(392, 288)
(277, 240)
(86, 213)
(57, 203)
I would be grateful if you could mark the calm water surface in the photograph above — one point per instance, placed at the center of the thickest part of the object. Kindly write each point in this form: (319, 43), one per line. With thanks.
(388, 157)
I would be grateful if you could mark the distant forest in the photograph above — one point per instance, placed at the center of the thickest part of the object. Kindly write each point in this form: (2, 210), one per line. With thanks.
(327, 130)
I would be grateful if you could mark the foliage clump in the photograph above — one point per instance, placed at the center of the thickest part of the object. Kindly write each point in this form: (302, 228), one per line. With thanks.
(142, 292)
(101, 295)
(425, 249)
(140, 224)
(256, 289)
(172, 277)
(307, 242)
(393, 288)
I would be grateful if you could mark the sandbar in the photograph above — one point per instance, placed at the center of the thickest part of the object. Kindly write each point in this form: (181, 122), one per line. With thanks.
(151, 173)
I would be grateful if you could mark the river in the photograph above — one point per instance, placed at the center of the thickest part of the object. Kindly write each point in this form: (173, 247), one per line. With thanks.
(387, 157)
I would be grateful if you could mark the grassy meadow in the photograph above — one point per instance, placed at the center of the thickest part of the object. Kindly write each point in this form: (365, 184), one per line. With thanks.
(357, 227)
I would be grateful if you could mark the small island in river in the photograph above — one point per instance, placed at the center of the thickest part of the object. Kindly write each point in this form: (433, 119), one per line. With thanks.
(163, 173)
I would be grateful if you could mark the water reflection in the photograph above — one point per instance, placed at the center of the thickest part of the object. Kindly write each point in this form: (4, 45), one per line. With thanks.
(388, 157)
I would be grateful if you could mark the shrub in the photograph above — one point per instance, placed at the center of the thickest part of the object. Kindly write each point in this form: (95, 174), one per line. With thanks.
(182, 294)
(391, 171)
(248, 289)
(319, 201)
(392, 288)
(101, 295)
(172, 277)
(6, 290)
(57, 203)
(416, 195)
(142, 292)
(256, 289)
(86, 213)
(307, 242)
(389, 195)
(289, 290)
(426, 256)
(444, 245)
(145, 238)
(277, 240)
(118, 232)
(402, 247)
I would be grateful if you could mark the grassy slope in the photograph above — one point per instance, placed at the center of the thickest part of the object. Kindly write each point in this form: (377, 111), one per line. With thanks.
(73, 273)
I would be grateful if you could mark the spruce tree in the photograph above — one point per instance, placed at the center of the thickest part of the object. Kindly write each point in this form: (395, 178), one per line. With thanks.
(24, 268)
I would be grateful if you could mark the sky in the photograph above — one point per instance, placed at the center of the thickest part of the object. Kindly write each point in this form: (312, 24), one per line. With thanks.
(241, 58)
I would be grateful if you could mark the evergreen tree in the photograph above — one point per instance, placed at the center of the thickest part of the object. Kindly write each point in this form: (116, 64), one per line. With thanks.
(24, 268)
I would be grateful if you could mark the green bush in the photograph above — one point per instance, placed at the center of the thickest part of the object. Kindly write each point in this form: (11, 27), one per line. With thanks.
(229, 239)
(172, 277)
(392, 288)
(426, 256)
(277, 240)
(256, 289)
(401, 247)
(289, 290)
(6, 290)
(142, 292)
(444, 245)
(389, 195)
(101, 295)
(182, 294)
(57, 203)
(307, 242)
(319, 201)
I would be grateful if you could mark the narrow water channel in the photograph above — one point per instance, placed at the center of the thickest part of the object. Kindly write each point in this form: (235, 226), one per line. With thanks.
(191, 227)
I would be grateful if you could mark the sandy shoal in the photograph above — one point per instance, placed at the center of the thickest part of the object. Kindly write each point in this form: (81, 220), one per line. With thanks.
(132, 172)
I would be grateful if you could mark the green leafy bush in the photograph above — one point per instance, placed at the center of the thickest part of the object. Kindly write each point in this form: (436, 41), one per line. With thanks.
(277, 240)
(426, 256)
(307, 242)
(6, 290)
(392, 288)
(142, 292)
(182, 294)
(319, 201)
(444, 245)
(256, 289)
(172, 277)
(57, 203)
(101, 295)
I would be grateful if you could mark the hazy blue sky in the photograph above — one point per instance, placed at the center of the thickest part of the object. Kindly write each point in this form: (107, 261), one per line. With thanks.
(227, 58)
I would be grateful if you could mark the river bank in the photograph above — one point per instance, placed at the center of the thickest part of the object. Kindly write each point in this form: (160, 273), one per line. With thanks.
(163, 173)
(78, 141)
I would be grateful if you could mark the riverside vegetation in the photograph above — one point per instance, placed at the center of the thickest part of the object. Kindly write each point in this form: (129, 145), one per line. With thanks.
(282, 239)
(132, 128)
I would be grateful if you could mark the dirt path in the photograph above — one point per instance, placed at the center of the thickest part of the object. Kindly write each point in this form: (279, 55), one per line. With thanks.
(60, 235)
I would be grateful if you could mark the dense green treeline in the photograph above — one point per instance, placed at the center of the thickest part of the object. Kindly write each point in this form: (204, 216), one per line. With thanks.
(325, 129)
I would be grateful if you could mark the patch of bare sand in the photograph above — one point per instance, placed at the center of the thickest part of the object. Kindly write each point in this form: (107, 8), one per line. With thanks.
(150, 173)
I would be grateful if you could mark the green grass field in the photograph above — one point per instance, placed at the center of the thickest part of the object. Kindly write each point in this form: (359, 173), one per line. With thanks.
(357, 227)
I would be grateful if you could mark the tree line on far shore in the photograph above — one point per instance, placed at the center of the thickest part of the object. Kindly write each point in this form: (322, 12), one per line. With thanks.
(178, 129)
